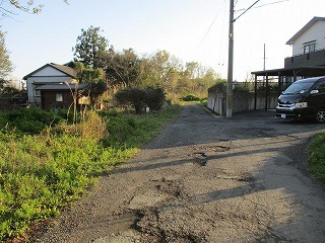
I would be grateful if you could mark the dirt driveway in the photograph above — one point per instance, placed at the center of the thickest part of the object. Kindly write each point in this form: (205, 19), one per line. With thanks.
(207, 179)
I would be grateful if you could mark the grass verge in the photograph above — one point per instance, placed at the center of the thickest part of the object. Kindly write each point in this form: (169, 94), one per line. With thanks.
(44, 170)
(316, 152)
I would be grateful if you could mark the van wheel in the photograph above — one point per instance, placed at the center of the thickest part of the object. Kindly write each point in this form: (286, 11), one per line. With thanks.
(320, 116)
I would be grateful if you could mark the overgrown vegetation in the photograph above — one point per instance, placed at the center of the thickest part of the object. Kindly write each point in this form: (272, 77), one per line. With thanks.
(28, 121)
(138, 98)
(132, 131)
(45, 163)
(190, 97)
(317, 157)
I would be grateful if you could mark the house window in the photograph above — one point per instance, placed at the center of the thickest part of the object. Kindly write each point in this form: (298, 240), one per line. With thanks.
(309, 47)
(58, 97)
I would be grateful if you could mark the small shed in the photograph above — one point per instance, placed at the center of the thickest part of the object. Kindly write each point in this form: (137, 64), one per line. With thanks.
(63, 95)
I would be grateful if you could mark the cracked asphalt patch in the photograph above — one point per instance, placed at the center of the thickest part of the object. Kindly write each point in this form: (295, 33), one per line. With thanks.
(206, 179)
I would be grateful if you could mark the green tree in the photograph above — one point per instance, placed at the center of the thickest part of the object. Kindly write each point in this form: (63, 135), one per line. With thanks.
(6, 65)
(91, 48)
(124, 69)
(161, 70)
(94, 77)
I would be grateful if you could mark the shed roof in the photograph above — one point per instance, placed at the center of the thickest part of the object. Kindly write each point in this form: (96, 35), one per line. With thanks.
(64, 69)
(304, 29)
(62, 87)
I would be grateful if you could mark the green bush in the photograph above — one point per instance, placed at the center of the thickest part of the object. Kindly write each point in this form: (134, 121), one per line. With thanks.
(155, 98)
(139, 98)
(316, 152)
(32, 120)
(190, 97)
(134, 97)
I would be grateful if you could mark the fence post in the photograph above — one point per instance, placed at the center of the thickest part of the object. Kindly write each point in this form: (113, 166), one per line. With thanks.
(255, 92)
(266, 91)
(279, 83)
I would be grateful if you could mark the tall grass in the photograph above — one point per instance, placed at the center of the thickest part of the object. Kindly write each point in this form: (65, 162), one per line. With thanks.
(28, 121)
(132, 131)
(316, 152)
(44, 170)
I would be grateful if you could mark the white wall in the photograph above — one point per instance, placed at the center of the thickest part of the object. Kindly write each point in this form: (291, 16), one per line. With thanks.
(315, 32)
(49, 71)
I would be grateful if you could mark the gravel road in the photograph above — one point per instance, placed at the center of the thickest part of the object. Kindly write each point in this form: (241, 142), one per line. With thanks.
(206, 179)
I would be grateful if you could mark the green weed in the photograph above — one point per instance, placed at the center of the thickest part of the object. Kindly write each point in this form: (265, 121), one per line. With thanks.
(43, 169)
(316, 152)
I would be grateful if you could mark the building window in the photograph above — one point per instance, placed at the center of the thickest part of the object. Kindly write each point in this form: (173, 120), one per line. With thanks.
(58, 97)
(309, 47)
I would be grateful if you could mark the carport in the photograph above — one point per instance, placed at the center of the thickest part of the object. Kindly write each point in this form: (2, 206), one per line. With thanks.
(284, 77)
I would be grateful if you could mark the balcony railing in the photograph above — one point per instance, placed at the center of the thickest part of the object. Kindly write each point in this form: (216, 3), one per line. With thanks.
(313, 59)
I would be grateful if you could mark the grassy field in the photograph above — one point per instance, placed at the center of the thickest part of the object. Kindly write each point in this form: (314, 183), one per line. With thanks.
(316, 152)
(47, 162)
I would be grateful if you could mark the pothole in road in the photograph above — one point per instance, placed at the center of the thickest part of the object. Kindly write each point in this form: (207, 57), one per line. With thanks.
(149, 209)
(156, 193)
(200, 153)
(209, 148)
(200, 158)
(247, 178)
(150, 223)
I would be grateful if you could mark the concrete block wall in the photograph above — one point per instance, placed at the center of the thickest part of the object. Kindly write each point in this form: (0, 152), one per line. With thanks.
(242, 101)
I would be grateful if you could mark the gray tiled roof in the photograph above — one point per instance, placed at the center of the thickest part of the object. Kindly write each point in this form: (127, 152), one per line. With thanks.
(62, 87)
(64, 69)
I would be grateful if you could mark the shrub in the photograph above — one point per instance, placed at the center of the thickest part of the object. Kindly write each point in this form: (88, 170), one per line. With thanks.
(138, 98)
(131, 97)
(155, 98)
(190, 97)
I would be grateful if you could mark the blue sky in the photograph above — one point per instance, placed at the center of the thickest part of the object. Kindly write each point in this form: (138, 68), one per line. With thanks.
(177, 26)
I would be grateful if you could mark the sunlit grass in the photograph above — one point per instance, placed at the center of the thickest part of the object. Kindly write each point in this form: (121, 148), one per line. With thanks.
(316, 152)
(42, 171)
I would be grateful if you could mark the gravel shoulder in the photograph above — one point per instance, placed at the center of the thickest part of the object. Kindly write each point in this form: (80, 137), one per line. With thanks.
(206, 179)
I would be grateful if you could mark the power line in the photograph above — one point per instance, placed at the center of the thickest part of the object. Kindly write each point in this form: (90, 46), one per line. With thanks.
(271, 3)
(263, 5)
(246, 10)
(214, 20)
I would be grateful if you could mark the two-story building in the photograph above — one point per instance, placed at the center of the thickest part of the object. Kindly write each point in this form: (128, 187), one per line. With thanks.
(308, 45)
(307, 60)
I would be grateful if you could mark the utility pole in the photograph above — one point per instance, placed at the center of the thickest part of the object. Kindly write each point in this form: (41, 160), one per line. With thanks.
(264, 65)
(264, 58)
(230, 61)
